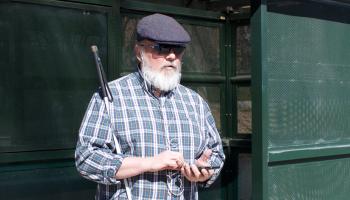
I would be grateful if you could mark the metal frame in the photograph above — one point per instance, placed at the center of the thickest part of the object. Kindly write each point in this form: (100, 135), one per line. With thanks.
(308, 153)
(240, 143)
(259, 142)
(174, 10)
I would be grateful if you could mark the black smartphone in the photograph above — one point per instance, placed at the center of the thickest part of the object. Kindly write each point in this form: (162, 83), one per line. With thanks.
(208, 167)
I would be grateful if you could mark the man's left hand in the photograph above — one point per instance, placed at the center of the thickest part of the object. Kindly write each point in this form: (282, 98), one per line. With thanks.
(193, 174)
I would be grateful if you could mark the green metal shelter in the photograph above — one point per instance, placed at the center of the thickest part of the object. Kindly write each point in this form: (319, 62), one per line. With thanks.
(276, 75)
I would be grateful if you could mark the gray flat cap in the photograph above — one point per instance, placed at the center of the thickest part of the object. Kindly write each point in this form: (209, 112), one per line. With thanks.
(162, 29)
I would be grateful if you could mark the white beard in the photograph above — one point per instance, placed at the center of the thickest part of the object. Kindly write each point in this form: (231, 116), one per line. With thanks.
(161, 80)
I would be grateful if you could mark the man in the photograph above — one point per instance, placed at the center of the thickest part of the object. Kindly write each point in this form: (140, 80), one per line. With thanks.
(165, 130)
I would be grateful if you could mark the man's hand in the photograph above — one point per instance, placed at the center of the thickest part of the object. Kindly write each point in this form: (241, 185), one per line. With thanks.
(132, 166)
(166, 160)
(193, 174)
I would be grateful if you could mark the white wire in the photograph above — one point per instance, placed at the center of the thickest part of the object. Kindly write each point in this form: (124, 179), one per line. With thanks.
(118, 150)
(171, 183)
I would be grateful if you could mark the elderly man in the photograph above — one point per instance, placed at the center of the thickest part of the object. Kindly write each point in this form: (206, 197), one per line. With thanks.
(165, 131)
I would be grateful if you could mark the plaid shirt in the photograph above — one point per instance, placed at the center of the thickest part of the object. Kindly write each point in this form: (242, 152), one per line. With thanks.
(145, 125)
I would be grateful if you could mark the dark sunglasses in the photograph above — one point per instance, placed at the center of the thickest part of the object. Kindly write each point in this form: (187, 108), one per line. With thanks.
(165, 49)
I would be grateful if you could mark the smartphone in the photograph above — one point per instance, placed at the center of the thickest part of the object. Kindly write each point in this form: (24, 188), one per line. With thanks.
(208, 167)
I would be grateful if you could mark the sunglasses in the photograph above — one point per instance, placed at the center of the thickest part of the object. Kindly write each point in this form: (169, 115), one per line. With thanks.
(165, 49)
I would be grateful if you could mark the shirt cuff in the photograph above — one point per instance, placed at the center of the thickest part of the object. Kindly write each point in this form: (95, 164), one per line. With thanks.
(111, 169)
(214, 161)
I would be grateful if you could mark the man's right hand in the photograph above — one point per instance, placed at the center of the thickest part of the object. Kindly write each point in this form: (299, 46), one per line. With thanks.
(132, 166)
(166, 160)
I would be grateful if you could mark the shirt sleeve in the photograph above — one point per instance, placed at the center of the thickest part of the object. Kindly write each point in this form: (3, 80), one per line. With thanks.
(95, 155)
(215, 144)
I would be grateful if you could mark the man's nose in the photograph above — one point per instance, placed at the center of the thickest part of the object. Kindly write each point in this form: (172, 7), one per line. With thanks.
(171, 55)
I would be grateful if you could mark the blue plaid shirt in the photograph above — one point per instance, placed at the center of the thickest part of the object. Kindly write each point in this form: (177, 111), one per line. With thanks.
(145, 125)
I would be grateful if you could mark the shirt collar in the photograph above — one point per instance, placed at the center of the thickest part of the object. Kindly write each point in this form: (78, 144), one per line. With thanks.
(150, 89)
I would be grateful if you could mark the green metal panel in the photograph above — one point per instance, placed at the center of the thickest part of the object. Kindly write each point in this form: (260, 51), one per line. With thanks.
(308, 81)
(27, 156)
(38, 183)
(317, 180)
(301, 79)
(47, 70)
(42, 86)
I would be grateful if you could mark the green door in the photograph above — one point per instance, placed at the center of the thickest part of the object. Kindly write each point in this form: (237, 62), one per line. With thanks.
(301, 107)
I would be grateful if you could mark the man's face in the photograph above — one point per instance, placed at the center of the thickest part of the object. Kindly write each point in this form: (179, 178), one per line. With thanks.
(165, 62)
(160, 64)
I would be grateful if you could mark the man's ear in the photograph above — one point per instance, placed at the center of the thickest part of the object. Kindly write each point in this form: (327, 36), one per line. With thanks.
(137, 51)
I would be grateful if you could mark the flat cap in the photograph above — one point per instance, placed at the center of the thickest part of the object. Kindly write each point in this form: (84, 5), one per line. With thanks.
(162, 29)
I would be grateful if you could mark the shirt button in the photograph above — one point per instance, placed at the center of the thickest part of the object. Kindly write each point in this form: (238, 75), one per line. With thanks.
(110, 173)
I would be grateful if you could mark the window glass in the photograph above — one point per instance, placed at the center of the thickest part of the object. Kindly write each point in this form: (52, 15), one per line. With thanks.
(243, 50)
(47, 70)
(211, 94)
(203, 53)
(129, 61)
(244, 110)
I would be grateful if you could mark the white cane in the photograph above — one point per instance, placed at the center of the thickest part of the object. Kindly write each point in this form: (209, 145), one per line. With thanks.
(107, 98)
